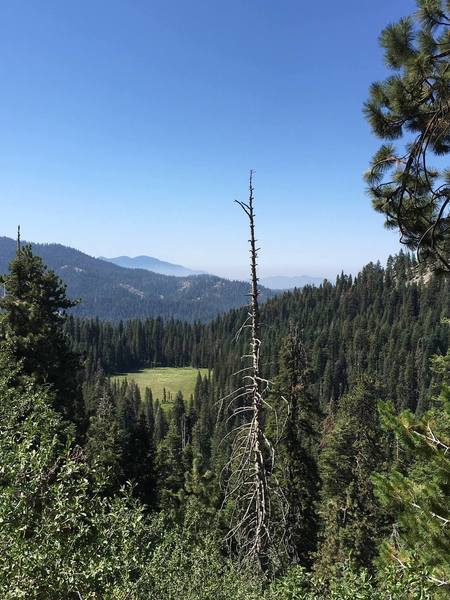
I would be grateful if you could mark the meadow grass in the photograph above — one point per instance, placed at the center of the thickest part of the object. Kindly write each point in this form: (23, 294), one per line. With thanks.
(173, 379)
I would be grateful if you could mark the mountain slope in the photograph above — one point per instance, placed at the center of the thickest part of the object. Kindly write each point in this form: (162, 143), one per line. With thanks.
(111, 292)
(151, 264)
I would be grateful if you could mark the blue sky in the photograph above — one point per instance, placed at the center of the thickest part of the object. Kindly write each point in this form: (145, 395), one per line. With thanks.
(128, 127)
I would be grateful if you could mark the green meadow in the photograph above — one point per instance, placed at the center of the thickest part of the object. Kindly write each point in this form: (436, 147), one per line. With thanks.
(172, 379)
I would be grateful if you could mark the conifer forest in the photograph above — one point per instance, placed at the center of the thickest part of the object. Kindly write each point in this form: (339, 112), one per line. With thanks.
(311, 460)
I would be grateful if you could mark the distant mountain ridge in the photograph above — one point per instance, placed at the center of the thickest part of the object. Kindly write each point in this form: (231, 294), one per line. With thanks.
(152, 264)
(111, 292)
(281, 282)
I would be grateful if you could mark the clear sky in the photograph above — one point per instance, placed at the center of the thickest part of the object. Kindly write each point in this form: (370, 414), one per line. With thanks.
(128, 127)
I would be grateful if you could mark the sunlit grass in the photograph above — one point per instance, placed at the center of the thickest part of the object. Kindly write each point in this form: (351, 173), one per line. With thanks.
(172, 379)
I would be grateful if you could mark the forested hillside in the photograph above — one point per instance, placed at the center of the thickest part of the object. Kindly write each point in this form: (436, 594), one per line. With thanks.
(385, 322)
(111, 292)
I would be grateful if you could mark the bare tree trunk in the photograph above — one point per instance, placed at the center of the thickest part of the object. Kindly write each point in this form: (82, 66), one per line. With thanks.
(248, 486)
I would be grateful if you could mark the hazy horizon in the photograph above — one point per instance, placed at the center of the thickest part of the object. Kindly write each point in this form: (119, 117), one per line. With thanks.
(240, 272)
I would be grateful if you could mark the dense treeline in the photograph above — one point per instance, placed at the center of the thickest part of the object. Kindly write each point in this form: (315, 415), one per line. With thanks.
(385, 322)
(135, 344)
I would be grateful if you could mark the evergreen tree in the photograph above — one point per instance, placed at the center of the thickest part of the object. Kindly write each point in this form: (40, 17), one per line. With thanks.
(420, 495)
(352, 449)
(170, 469)
(178, 417)
(149, 417)
(31, 328)
(296, 466)
(137, 451)
(103, 444)
(161, 425)
(414, 103)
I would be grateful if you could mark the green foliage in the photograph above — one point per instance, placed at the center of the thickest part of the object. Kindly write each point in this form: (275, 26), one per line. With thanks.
(31, 328)
(189, 565)
(299, 584)
(58, 537)
(201, 485)
(420, 496)
(68, 530)
(384, 322)
(413, 104)
(103, 447)
(161, 425)
(170, 469)
(295, 435)
(352, 449)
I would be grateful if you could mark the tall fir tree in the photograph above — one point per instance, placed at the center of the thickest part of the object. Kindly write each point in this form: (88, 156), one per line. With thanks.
(171, 469)
(161, 426)
(31, 329)
(297, 448)
(353, 448)
(103, 444)
(136, 442)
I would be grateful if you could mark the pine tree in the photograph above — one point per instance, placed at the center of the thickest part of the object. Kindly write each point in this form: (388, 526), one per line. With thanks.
(202, 421)
(103, 444)
(296, 469)
(170, 469)
(202, 492)
(149, 413)
(352, 449)
(414, 104)
(137, 451)
(31, 328)
(178, 416)
(161, 426)
(420, 495)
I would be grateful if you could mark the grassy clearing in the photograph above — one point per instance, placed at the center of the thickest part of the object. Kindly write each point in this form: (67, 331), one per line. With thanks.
(173, 379)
